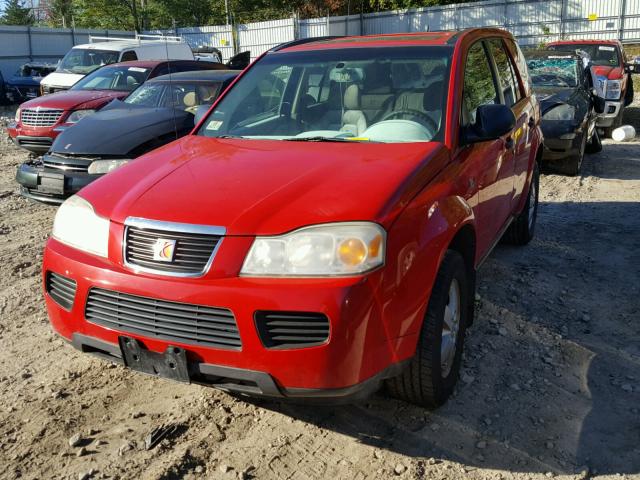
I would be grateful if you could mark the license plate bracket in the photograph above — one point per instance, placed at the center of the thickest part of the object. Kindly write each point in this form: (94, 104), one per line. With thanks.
(171, 364)
(51, 183)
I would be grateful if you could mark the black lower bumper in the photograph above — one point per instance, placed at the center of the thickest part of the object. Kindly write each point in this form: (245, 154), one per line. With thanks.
(37, 145)
(248, 382)
(50, 185)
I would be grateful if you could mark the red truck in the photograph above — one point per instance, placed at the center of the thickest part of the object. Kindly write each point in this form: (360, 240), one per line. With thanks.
(613, 72)
(39, 121)
(319, 231)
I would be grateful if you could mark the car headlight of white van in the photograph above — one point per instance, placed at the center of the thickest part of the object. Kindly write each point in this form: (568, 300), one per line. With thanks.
(78, 115)
(561, 112)
(77, 225)
(322, 250)
(100, 167)
(614, 88)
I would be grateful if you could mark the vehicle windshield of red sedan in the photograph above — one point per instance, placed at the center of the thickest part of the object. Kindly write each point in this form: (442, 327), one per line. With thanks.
(124, 79)
(384, 94)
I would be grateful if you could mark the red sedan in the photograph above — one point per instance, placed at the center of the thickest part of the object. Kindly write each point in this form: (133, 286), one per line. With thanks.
(320, 229)
(39, 121)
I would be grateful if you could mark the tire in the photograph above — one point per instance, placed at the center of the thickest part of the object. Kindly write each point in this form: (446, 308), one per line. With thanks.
(595, 144)
(571, 165)
(521, 230)
(429, 380)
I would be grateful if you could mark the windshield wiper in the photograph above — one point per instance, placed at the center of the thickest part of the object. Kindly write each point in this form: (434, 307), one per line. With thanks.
(318, 139)
(228, 136)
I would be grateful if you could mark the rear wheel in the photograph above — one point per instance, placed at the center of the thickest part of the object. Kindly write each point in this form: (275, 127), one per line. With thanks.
(520, 232)
(432, 373)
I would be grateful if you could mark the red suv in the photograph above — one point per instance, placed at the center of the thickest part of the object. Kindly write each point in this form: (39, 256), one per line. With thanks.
(320, 229)
(613, 74)
(39, 121)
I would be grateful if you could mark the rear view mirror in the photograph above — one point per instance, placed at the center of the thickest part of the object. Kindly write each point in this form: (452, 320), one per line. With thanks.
(201, 111)
(492, 122)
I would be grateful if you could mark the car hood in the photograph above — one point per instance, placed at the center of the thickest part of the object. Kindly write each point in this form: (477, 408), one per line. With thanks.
(119, 128)
(61, 79)
(550, 96)
(263, 187)
(74, 99)
(612, 73)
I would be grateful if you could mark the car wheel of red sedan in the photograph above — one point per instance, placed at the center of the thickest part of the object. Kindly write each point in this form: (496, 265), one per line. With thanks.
(431, 375)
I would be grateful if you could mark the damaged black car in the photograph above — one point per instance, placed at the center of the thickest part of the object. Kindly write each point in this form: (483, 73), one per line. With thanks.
(563, 83)
(158, 112)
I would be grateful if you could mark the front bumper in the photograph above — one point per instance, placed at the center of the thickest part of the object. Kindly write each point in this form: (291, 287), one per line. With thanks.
(36, 140)
(560, 140)
(611, 111)
(356, 357)
(50, 185)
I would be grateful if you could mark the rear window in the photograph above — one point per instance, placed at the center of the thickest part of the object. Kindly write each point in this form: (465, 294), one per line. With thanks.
(606, 55)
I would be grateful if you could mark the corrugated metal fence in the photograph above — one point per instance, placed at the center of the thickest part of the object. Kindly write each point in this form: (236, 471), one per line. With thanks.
(531, 21)
(19, 45)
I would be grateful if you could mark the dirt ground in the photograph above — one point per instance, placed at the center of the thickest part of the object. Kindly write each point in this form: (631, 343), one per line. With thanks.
(550, 384)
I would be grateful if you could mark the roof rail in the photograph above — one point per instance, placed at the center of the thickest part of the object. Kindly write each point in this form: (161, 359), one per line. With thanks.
(302, 41)
(137, 38)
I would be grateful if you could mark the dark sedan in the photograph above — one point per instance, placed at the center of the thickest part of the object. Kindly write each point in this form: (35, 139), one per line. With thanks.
(563, 84)
(160, 111)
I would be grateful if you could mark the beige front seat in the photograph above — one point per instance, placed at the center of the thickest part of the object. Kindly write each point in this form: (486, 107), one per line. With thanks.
(353, 119)
(190, 102)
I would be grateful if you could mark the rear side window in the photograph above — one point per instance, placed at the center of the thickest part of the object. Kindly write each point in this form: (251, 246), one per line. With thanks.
(129, 56)
(479, 88)
(521, 64)
(508, 84)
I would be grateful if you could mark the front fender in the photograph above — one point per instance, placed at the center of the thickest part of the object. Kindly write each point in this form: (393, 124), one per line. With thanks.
(416, 246)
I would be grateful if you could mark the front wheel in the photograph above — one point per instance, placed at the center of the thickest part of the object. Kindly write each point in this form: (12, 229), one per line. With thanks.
(432, 373)
(520, 232)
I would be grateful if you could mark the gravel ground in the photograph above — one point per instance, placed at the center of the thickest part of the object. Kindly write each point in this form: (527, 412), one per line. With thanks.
(550, 383)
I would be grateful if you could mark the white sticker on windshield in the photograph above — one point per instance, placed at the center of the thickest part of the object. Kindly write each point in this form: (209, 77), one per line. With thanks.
(608, 49)
(214, 125)
(137, 69)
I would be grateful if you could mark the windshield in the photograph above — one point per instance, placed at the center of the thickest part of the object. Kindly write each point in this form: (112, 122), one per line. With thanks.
(387, 94)
(183, 96)
(83, 61)
(553, 71)
(123, 78)
(599, 54)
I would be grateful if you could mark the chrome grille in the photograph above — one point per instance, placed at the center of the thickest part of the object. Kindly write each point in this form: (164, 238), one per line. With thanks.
(68, 165)
(153, 318)
(43, 117)
(193, 246)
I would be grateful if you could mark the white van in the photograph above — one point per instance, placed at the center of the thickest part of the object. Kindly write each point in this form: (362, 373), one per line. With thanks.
(83, 59)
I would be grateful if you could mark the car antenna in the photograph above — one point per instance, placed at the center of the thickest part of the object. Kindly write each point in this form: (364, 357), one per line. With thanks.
(173, 106)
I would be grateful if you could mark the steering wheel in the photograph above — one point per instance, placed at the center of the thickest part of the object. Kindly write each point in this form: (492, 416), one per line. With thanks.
(414, 113)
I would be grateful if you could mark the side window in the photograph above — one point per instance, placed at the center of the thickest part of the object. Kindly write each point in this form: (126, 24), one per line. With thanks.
(479, 87)
(507, 82)
(521, 63)
(129, 56)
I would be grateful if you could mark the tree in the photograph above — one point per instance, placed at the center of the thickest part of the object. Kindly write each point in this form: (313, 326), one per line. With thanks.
(60, 13)
(15, 14)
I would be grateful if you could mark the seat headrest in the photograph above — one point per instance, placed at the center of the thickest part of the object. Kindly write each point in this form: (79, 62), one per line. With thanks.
(189, 99)
(352, 97)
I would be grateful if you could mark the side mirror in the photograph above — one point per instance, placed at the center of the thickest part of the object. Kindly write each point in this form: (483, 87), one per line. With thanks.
(631, 67)
(492, 122)
(239, 61)
(201, 111)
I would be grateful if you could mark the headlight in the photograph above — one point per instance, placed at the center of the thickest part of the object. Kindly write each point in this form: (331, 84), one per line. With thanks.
(100, 167)
(560, 112)
(17, 115)
(322, 250)
(78, 115)
(77, 225)
(614, 88)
